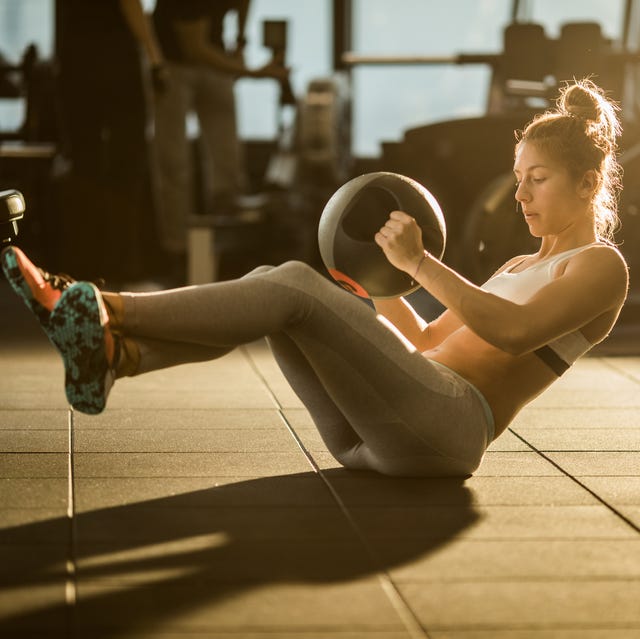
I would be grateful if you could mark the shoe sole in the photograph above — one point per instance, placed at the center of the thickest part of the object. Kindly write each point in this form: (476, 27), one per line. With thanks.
(17, 282)
(77, 328)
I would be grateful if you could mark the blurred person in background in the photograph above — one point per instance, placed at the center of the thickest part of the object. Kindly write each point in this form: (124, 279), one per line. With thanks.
(202, 70)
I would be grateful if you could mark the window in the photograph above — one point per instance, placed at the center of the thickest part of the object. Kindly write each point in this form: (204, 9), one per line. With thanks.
(420, 93)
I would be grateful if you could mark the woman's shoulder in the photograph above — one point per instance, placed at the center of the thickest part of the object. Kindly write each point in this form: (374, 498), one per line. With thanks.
(602, 259)
(604, 251)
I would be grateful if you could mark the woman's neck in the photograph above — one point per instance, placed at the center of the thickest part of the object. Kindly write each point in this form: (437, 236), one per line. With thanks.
(567, 240)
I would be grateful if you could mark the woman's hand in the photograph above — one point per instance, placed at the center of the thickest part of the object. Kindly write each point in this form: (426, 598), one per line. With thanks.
(401, 241)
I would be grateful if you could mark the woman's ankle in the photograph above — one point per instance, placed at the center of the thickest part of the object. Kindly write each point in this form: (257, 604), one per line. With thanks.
(115, 310)
(128, 357)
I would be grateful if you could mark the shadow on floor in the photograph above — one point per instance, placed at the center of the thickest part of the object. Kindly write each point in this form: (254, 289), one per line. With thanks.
(147, 564)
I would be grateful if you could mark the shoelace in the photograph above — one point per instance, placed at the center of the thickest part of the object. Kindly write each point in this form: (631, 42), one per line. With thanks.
(59, 281)
(62, 281)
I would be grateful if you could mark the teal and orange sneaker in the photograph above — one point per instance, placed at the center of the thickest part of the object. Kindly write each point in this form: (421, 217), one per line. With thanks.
(75, 319)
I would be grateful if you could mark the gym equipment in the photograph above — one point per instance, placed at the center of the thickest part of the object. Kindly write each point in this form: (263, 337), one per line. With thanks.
(323, 132)
(352, 217)
(12, 209)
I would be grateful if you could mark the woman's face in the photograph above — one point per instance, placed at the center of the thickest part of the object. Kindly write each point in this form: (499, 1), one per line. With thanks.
(551, 200)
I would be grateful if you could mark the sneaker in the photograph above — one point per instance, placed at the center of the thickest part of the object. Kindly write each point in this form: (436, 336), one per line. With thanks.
(75, 319)
(79, 328)
(39, 290)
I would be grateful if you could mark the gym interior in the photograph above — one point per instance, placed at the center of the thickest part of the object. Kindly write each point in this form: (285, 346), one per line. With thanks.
(203, 503)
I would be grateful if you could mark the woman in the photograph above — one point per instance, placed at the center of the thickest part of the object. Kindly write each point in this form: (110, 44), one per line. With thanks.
(427, 402)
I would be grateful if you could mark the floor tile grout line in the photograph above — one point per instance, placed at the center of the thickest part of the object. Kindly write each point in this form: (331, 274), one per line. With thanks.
(400, 605)
(614, 510)
(71, 585)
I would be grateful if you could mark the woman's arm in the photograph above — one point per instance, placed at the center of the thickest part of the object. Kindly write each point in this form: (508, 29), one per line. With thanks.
(422, 335)
(593, 282)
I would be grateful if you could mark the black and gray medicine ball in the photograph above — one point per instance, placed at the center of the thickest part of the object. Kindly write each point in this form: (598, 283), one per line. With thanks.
(352, 217)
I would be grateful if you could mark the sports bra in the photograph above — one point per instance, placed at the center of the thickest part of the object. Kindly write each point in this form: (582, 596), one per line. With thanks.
(518, 287)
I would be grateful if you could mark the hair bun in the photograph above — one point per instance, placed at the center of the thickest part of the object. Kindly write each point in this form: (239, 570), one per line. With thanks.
(582, 99)
(586, 101)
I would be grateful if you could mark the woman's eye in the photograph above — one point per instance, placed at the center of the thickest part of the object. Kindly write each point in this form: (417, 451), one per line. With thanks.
(530, 180)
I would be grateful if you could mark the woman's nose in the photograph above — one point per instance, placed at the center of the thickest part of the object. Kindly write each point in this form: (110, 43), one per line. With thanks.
(521, 193)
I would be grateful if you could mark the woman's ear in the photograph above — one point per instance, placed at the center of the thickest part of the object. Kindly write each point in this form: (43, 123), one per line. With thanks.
(588, 184)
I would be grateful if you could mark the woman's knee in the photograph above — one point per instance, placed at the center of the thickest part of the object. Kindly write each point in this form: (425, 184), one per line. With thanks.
(293, 270)
(292, 273)
(298, 269)
(259, 270)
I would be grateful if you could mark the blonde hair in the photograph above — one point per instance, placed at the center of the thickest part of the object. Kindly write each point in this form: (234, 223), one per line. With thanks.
(582, 133)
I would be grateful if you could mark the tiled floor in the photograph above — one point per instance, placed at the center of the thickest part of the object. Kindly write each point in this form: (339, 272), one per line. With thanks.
(202, 503)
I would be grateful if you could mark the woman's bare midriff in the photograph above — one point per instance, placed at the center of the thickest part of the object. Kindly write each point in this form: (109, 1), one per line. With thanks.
(507, 382)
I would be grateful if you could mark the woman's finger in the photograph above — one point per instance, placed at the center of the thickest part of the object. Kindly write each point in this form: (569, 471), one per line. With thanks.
(401, 216)
(393, 225)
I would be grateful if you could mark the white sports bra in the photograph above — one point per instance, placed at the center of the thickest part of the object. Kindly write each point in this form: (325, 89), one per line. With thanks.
(521, 286)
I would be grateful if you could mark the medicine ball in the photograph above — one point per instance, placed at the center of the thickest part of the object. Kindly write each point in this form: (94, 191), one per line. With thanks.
(352, 217)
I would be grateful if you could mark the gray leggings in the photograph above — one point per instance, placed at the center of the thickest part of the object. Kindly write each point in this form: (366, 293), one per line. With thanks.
(376, 404)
